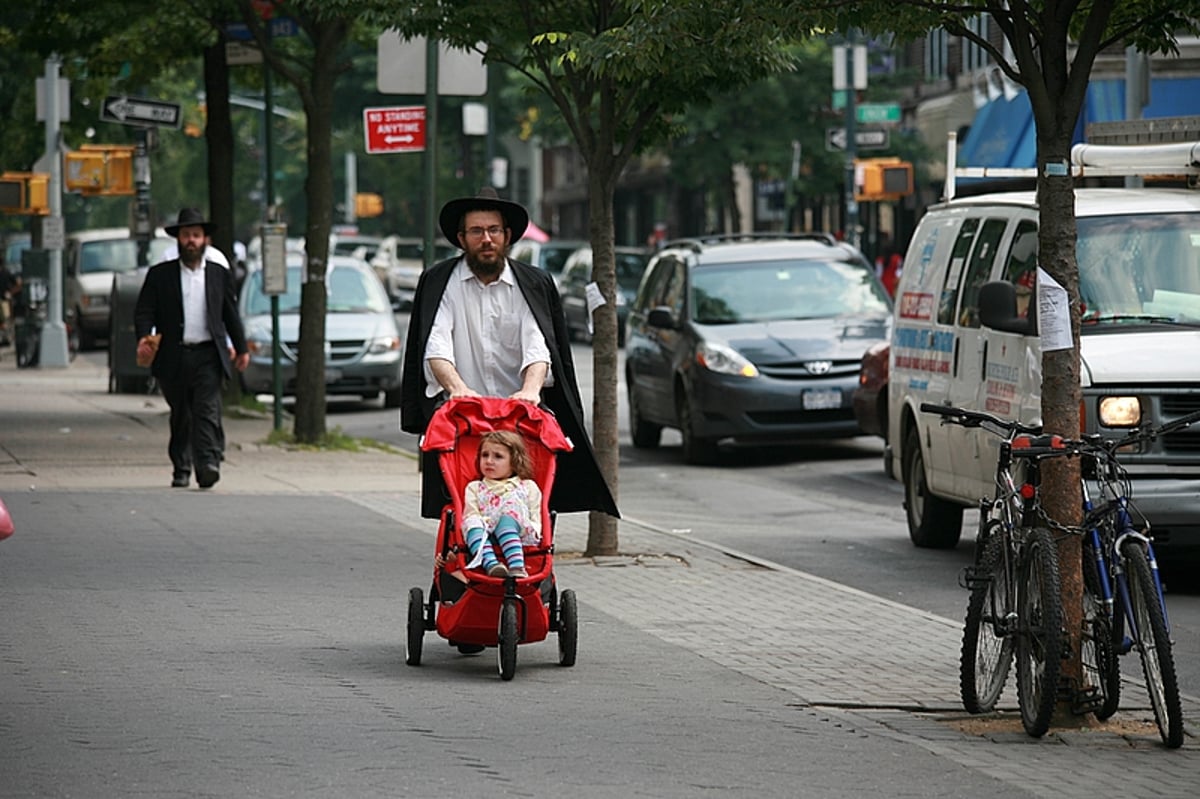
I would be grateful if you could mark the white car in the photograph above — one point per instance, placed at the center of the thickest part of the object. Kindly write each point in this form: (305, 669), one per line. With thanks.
(92, 259)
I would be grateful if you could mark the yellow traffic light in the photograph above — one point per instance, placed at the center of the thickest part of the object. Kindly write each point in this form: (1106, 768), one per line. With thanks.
(367, 204)
(25, 193)
(100, 169)
(882, 179)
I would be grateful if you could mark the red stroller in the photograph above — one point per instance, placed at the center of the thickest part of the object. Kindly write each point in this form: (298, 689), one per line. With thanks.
(469, 608)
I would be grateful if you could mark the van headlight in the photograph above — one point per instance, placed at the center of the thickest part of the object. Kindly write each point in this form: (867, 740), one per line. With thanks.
(1120, 411)
(724, 360)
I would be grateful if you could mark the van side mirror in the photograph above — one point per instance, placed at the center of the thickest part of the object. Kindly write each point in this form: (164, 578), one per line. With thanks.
(998, 309)
(661, 317)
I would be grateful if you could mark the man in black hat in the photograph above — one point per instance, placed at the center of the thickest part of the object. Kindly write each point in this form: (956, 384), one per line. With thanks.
(190, 303)
(487, 325)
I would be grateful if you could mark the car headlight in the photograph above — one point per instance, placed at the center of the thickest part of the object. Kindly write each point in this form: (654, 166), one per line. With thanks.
(724, 360)
(381, 345)
(1120, 411)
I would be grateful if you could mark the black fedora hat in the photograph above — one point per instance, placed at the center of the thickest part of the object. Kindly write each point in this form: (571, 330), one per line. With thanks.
(516, 218)
(190, 217)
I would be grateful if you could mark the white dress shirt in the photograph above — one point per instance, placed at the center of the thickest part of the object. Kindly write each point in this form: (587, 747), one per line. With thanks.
(195, 305)
(497, 335)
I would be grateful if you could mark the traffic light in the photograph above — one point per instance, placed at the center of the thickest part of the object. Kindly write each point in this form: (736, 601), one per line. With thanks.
(100, 169)
(25, 193)
(882, 179)
(367, 204)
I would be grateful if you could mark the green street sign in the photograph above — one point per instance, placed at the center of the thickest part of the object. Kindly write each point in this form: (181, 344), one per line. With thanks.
(868, 113)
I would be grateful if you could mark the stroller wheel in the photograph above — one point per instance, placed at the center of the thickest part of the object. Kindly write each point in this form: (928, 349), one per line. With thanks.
(416, 627)
(568, 628)
(507, 644)
(470, 649)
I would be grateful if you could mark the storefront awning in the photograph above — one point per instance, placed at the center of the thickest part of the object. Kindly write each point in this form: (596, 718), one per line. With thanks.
(1003, 133)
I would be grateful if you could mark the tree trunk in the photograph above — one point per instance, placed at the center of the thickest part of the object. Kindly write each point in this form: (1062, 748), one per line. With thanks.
(602, 176)
(218, 136)
(1061, 496)
(318, 189)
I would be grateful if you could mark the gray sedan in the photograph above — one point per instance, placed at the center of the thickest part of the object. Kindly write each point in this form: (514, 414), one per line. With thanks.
(362, 341)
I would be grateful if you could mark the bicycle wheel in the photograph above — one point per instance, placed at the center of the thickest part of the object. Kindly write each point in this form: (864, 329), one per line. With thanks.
(987, 647)
(1040, 636)
(1153, 644)
(1097, 652)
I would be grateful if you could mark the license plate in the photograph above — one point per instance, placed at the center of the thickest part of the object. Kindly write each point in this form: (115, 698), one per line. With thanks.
(333, 375)
(821, 399)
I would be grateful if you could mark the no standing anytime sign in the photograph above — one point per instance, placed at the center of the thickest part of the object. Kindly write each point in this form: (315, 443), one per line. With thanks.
(399, 129)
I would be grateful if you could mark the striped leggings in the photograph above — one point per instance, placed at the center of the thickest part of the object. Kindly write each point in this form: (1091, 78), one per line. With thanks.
(508, 533)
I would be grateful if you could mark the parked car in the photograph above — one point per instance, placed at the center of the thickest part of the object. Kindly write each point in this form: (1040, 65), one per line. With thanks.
(870, 398)
(399, 261)
(362, 340)
(577, 274)
(758, 339)
(549, 255)
(356, 244)
(91, 260)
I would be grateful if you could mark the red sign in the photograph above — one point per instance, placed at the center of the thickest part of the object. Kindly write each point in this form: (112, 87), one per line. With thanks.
(395, 130)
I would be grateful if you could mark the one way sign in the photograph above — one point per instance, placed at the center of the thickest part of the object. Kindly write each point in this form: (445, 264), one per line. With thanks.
(138, 111)
(835, 139)
(400, 129)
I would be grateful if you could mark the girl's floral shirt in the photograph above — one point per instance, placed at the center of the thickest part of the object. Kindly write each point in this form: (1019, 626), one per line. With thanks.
(488, 500)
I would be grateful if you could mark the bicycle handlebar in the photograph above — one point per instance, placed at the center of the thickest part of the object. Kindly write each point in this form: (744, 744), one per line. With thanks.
(970, 418)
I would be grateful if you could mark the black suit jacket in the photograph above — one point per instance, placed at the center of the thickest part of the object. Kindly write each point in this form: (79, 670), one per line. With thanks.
(160, 306)
(579, 484)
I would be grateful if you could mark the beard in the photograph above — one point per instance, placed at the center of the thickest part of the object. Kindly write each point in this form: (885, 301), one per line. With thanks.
(486, 262)
(191, 253)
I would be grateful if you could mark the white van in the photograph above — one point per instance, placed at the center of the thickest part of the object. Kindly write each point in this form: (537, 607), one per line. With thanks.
(1139, 272)
(92, 259)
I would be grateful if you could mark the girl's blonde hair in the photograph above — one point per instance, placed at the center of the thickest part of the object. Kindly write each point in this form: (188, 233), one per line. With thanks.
(521, 462)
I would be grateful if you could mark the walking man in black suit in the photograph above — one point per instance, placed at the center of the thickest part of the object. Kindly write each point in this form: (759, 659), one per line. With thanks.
(190, 302)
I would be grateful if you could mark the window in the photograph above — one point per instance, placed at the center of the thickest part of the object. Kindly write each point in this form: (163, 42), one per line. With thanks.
(962, 246)
(980, 270)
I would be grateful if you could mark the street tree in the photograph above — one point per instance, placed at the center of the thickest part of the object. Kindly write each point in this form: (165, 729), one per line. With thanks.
(616, 73)
(1051, 48)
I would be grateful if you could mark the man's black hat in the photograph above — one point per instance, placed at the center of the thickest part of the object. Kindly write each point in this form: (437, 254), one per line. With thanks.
(190, 217)
(516, 218)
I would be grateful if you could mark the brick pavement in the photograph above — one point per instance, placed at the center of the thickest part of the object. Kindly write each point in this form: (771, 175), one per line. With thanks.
(877, 665)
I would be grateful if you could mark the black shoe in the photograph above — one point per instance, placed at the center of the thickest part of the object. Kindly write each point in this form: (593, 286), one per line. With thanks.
(207, 476)
(179, 481)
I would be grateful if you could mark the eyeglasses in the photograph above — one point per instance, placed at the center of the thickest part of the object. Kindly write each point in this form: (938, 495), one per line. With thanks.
(495, 232)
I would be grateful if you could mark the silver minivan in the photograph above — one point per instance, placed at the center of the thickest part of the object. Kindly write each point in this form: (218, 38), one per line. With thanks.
(91, 260)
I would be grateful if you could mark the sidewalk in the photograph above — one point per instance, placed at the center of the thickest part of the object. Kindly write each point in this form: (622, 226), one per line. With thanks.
(870, 664)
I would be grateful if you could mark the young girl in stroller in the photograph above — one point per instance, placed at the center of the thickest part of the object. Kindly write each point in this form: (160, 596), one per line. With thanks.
(493, 581)
(503, 507)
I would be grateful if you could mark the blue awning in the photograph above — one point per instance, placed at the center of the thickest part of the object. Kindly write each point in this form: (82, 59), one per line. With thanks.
(1003, 133)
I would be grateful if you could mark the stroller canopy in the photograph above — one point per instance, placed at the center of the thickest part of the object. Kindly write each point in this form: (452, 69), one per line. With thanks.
(474, 416)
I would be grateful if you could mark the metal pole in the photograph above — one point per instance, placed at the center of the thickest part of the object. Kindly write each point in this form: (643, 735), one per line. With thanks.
(851, 151)
(272, 215)
(431, 126)
(53, 349)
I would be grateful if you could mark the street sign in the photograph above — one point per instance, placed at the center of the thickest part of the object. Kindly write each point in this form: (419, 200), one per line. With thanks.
(278, 27)
(877, 112)
(138, 111)
(835, 139)
(399, 129)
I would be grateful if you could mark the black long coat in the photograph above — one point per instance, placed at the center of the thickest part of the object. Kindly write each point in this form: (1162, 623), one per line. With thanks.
(160, 305)
(579, 484)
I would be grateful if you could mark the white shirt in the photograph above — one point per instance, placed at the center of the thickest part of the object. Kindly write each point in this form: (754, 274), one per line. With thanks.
(195, 305)
(497, 335)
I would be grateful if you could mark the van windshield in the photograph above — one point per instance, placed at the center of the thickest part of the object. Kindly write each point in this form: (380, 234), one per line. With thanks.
(1139, 269)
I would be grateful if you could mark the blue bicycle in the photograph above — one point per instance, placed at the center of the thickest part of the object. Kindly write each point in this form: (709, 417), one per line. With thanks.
(1124, 608)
